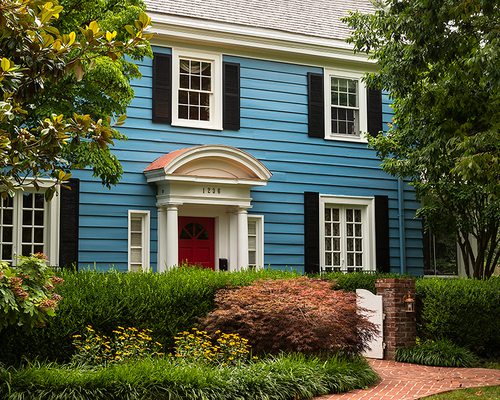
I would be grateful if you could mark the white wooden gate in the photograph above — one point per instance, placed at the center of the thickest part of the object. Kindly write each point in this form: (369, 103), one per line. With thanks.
(373, 304)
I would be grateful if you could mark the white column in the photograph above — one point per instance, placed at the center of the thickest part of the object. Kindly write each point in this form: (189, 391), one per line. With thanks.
(242, 238)
(172, 239)
(162, 240)
(233, 241)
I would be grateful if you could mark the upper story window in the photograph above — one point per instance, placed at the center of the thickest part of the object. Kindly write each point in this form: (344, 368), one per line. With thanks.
(196, 89)
(345, 106)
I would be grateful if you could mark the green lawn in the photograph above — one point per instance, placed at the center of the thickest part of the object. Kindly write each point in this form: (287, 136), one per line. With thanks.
(482, 393)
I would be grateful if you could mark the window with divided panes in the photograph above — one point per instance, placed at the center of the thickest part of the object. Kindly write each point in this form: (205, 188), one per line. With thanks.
(138, 241)
(255, 241)
(22, 225)
(195, 89)
(344, 241)
(344, 106)
(252, 243)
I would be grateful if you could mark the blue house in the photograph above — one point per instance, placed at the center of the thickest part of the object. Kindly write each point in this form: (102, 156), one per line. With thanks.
(246, 147)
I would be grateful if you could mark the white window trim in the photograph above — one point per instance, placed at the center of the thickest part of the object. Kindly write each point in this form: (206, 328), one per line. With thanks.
(215, 121)
(51, 222)
(362, 103)
(146, 229)
(368, 204)
(259, 229)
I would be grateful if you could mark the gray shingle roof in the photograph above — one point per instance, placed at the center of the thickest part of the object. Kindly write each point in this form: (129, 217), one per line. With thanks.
(319, 18)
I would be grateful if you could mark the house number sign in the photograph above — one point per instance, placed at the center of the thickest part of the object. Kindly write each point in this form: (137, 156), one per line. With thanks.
(211, 190)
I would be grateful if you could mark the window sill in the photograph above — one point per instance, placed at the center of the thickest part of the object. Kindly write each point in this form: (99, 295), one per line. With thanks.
(208, 125)
(348, 138)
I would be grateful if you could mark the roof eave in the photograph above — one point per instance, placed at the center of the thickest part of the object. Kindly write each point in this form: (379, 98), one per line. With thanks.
(227, 34)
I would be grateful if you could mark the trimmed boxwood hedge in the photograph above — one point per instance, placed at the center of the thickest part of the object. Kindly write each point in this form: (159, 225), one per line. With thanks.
(464, 311)
(283, 377)
(357, 280)
(166, 303)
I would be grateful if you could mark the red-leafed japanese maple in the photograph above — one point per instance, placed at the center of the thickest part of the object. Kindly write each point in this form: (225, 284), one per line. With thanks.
(293, 315)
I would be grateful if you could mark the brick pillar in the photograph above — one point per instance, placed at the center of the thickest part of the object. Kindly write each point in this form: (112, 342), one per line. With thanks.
(400, 328)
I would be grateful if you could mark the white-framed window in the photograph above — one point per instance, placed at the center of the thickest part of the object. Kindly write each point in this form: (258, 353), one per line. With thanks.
(29, 224)
(345, 106)
(347, 233)
(138, 240)
(256, 241)
(196, 89)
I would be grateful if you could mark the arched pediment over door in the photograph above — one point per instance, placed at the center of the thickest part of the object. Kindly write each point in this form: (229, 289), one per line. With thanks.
(210, 174)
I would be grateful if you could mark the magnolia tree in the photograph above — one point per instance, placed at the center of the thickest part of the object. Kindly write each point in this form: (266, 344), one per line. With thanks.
(439, 60)
(64, 85)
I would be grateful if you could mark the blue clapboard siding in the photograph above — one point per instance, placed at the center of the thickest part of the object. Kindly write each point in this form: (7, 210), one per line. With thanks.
(274, 130)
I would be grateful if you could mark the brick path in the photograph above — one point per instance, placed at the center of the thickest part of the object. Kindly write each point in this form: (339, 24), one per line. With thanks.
(401, 381)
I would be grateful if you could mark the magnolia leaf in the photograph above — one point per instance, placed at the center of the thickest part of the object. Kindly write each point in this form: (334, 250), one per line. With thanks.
(130, 30)
(72, 37)
(5, 64)
(94, 27)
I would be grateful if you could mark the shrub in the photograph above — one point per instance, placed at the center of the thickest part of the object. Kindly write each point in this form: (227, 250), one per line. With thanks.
(166, 303)
(464, 311)
(356, 280)
(299, 315)
(93, 348)
(222, 349)
(283, 377)
(440, 353)
(27, 296)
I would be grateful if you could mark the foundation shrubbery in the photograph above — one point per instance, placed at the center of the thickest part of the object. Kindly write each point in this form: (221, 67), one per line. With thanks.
(299, 315)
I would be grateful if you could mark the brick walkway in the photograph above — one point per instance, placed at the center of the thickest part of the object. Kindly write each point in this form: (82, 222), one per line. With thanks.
(402, 381)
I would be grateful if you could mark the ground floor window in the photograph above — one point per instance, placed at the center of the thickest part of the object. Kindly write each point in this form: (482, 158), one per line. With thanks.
(440, 254)
(347, 234)
(255, 241)
(28, 224)
(138, 240)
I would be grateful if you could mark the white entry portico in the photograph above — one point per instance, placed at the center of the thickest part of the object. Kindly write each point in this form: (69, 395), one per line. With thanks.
(211, 181)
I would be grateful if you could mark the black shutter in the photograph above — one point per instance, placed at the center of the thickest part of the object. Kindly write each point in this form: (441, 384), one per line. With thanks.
(231, 96)
(382, 233)
(162, 88)
(69, 223)
(374, 111)
(315, 103)
(311, 232)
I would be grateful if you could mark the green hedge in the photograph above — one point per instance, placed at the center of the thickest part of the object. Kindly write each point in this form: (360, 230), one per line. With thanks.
(166, 303)
(356, 280)
(284, 377)
(464, 311)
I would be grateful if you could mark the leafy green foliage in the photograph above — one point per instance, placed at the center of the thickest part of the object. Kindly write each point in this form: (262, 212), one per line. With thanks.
(295, 315)
(165, 303)
(464, 311)
(27, 296)
(439, 353)
(64, 85)
(439, 62)
(281, 377)
(356, 280)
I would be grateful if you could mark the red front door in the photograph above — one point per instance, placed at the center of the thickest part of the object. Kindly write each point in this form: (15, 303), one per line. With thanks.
(196, 241)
